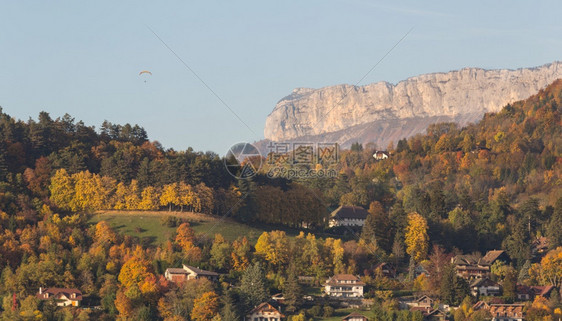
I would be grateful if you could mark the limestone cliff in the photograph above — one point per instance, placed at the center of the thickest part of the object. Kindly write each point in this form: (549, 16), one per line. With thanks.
(380, 112)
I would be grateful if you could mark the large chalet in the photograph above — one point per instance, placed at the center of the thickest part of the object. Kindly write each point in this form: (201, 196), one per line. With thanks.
(348, 216)
(344, 286)
(470, 267)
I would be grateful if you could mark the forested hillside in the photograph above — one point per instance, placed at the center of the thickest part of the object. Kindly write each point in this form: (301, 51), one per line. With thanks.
(492, 185)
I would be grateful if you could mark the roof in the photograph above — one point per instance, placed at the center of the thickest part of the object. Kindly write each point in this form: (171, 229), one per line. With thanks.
(176, 271)
(423, 297)
(543, 290)
(336, 279)
(351, 212)
(198, 271)
(61, 291)
(265, 307)
(467, 259)
(491, 257)
(510, 310)
(435, 312)
(483, 282)
(480, 305)
(423, 310)
(354, 315)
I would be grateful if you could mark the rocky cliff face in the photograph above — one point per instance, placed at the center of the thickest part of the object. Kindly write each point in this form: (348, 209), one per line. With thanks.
(381, 110)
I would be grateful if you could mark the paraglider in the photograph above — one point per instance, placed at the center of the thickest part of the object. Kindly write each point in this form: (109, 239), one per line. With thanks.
(145, 72)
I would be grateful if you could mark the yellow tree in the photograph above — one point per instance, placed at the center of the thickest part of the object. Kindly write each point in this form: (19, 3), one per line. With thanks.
(136, 276)
(549, 271)
(417, 240)
(187, 197)
(149, 199)
(62, 189)
(185, 238)
(205, 307)
(240, 254)
(170, 196)
(336, 252)
(132, 197)
(274, 247)
(119, 201)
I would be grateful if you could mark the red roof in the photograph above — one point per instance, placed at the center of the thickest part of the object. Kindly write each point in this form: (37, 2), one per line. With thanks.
(265, 307)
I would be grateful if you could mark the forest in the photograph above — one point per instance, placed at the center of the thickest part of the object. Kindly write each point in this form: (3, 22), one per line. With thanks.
(453, 191)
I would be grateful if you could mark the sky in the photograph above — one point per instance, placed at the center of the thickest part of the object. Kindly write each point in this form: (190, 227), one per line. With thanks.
(84, 58)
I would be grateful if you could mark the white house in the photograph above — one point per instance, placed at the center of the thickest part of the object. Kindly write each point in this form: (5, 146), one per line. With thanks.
(344, 286)
(264, 312)
(62, 296)
(380, 155)
(348, 216)
(189, 273)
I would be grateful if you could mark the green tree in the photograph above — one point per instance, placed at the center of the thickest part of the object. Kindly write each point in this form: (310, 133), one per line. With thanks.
(220, 252)
(253, 289)
(292, 291)
(555, 226)
(378, 227)
(453, 288)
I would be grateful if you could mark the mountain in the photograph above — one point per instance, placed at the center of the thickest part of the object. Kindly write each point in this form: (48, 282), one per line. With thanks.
(383, 112)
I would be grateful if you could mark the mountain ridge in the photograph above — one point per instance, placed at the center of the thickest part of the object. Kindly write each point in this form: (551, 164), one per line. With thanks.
(470, 91)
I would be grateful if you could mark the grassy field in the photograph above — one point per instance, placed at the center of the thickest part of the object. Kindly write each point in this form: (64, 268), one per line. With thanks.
(148, 226)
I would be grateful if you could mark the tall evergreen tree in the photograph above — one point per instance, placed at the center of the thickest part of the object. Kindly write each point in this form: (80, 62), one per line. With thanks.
(555, 226)
(453, 288)
(378, 227)
(253, 288)
(292, 291)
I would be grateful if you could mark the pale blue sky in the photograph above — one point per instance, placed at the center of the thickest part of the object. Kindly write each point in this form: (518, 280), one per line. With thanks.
(84, 57)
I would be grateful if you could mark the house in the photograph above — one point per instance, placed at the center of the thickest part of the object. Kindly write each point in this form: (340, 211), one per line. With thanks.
(526, 293)
(484, 287)
(348, 216)
(380, 155)
(507, 312)
(62, 296)
(435, 315)
(178, 275)
(355, 317)
(424, 302)
(430, 314)
(344, 286)
(419, 270)
(493, 256)
(470, 267)
(480, 305)
(542, 290)
(467, 267)
(387, 269)
(264, 312)
(539, 247)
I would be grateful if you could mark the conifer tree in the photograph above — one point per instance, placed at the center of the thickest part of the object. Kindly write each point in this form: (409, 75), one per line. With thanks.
(253, 288)
(292, 291)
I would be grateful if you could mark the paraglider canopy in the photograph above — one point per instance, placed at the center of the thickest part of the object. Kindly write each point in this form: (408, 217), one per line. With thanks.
(145, 72)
